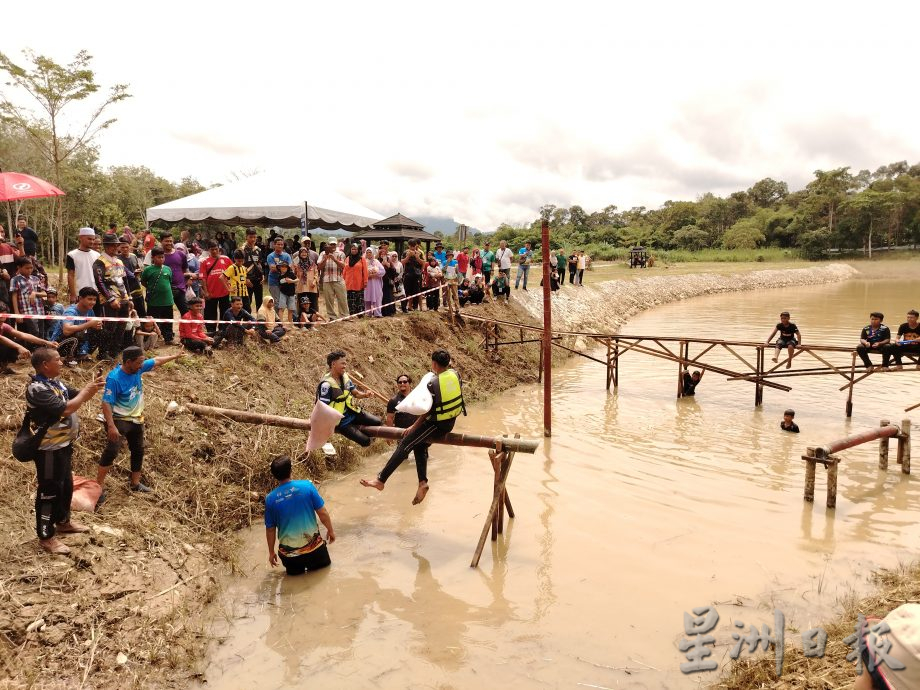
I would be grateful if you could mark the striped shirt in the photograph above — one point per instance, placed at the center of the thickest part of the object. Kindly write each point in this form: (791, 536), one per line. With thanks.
(331, 271)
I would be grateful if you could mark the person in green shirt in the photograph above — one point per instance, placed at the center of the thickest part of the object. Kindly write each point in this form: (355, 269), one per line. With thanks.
(488, 258)
(560, 265)
(157, 281)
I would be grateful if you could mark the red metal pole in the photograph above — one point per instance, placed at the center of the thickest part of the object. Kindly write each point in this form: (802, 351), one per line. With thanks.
(547, 334)
(856, 439)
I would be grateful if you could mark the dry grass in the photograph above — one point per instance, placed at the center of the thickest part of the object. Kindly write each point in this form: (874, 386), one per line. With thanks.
(833, 671)
(140, 582)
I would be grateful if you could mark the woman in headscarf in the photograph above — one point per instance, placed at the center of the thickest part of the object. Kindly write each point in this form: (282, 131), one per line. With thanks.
(475, 263)
(373, 291)
(383, 256)
(355, 274)
(307, 283)
(267, 325)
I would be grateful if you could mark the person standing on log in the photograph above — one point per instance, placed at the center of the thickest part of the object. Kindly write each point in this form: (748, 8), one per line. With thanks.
(447, 404)
(50, 400)
(339, 392)
(291, 510)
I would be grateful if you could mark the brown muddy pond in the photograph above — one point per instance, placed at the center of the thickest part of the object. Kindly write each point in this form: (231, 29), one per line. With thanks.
(639, 508)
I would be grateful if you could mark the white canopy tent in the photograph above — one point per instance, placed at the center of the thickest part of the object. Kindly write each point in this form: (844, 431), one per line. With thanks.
(267, 200)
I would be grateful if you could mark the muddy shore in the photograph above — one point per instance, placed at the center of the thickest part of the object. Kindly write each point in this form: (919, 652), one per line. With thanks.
(139, 583)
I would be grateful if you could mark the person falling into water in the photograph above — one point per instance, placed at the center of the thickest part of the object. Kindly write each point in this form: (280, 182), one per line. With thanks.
(691, 381)
(447, 404)
(787, 337)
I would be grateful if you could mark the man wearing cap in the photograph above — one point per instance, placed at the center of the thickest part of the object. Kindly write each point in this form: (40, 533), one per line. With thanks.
(109, 274)
(330, 266)
(80, 264)
(440, 254)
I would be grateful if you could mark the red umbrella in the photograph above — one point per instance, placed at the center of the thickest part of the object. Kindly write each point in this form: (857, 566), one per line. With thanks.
(18, 186)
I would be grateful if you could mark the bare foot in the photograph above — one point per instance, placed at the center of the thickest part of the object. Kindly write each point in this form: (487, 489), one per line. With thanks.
(775, 359)
(420, 494)
(373, 484)
(789, 364)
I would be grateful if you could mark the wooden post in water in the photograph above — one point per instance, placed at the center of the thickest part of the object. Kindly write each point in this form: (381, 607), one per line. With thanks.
(810, 463)
(904, 446)
(609, 363)
(547, 351)
(832, 481)
(849, 407)
(683, 348)
(883, 448)
(758, 387)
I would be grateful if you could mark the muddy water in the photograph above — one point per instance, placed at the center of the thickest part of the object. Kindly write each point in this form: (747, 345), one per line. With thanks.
(639, 508)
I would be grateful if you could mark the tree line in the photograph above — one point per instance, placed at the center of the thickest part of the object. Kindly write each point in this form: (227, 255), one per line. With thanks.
(837, 209)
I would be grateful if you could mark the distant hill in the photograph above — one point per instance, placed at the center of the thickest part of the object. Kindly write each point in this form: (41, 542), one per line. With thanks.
(446, 225)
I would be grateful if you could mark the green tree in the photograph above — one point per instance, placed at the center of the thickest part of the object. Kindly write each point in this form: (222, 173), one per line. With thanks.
(54, 87)
(691, 237)
(745, 234)
(768, 192)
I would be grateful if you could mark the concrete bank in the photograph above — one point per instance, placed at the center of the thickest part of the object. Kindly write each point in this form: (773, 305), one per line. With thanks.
(605, 307)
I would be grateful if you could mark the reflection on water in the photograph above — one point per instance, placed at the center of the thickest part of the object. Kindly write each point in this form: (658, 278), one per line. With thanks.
(639, 508)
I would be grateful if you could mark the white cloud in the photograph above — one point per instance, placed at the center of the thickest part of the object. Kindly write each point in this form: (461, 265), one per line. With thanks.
(484, 111)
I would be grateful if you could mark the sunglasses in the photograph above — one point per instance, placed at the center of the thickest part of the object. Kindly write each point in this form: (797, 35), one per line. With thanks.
(402, 381)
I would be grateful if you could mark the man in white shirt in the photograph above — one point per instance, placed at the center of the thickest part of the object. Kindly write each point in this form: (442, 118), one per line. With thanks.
(503, 257)
(80, 264)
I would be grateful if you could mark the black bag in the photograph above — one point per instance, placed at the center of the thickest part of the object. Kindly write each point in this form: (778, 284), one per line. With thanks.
(26, 444)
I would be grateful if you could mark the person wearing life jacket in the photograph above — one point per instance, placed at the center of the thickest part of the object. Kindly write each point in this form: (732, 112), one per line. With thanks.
(339, 392)
(447, 404)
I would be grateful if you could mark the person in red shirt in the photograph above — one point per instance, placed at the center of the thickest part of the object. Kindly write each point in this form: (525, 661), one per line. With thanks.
(191, 329)
(213, 289)
(463, 261)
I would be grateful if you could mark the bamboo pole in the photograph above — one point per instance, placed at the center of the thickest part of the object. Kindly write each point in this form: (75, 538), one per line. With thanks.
(849, 405)
(522, 445)
(810, 464)
(832, 482)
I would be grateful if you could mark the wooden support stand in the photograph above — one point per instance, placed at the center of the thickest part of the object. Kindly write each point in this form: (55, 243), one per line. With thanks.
(824, 455)
(501, 459)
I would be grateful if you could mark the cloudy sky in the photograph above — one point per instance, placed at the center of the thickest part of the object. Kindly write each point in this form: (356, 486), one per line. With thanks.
(485, 111)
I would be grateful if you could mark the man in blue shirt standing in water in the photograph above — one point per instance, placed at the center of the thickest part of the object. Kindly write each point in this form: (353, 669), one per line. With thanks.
(291, 510)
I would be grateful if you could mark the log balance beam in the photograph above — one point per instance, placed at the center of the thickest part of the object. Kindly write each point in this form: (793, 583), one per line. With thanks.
(501, 454)
(825, 455)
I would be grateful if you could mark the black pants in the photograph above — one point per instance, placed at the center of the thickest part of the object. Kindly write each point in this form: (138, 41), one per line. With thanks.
(315, 560)
(424, 433)
(864, 353)
(113, 332)
(413, 285)
(213, 309)
(55, 489)
(353, 433)
(355, 302)
(581, 276)
(562, 277)
(139, 305)
(898, 351)
(179, 300)
(166, 327)
(230, 332)
(193, 345)
(274, 335)
(433, 300)
(255, 292)
(134, 434)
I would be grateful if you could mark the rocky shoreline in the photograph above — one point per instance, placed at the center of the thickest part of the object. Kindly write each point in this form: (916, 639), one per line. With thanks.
(606, 306)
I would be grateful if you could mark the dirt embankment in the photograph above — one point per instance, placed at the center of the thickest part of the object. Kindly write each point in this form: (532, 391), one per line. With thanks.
(138, 583)
(605, 307)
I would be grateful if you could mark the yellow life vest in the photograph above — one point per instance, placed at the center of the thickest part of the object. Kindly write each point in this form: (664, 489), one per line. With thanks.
(341, 399)
(448, 397)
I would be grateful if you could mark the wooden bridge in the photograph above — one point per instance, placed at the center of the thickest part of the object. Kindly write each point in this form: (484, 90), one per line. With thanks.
(753, 364)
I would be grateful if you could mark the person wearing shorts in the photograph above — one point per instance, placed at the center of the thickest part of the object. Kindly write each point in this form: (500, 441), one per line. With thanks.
(787, 337)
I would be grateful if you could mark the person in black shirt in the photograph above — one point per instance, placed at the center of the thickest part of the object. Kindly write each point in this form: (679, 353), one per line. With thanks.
(908, 340)
(874, 338)
(691, 381)
(28, 235)
(787, 337)
(787, 424)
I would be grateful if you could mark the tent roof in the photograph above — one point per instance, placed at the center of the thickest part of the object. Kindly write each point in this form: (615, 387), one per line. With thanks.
(398, 221)
(267, 200)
